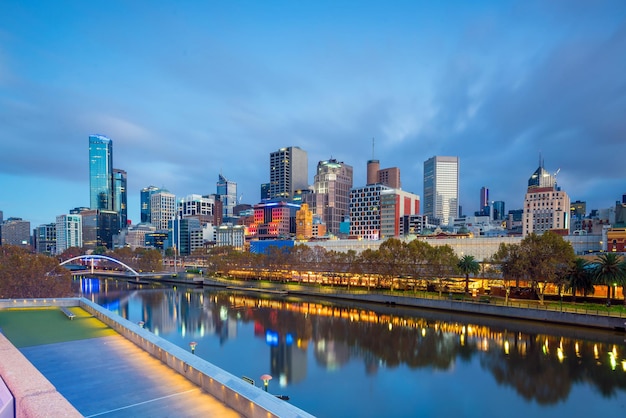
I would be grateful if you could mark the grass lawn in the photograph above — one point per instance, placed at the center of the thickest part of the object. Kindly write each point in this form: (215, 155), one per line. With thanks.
(37, 326)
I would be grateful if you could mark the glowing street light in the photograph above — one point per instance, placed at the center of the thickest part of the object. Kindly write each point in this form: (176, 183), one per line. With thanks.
(193, 345)
(266, 380)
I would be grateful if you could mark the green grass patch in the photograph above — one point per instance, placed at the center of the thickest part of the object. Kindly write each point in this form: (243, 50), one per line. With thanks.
(38, 326)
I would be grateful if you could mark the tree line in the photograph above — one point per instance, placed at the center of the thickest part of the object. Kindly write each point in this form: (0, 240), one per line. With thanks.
(537, 261)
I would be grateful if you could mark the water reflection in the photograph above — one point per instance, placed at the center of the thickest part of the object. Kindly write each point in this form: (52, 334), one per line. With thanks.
(542, 364)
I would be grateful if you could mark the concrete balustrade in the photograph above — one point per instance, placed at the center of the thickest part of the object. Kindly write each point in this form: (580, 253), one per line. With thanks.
(248, 400)
(32, 394)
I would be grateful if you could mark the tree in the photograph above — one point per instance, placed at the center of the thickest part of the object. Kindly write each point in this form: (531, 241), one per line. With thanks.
(26, 275)
(512, 264)
(468, 265)
(442, 262)
(579, 278)
(547, 258)
(610, 269)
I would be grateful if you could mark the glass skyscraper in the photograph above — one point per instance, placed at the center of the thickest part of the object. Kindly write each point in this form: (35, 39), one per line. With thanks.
(227, 192)
(441, 189)
(101, 186)
(145, 195)
(120, 200)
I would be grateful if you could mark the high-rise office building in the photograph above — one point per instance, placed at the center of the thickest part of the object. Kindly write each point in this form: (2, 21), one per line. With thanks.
(389, 177)
(227, 193)
(441, 189)
(546, 206)
(330, 199)
(395, 205)
(288, 172)
(162, 209)
(101, 185)
(144, 197)
(484, 201)
(498, 211)
(15, 231)
(120, 200)
(200, 207)
(69, 232)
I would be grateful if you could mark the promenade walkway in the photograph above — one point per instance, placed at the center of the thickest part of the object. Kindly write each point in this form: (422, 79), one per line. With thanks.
(100, 372)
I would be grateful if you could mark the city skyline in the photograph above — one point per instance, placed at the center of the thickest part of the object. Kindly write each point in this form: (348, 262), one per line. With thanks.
(188, 92)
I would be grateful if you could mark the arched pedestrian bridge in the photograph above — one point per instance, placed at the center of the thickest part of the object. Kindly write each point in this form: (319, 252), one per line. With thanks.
(92, 258)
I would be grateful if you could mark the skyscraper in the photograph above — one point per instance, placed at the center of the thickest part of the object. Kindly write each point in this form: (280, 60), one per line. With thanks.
(69, 232)
(484, 201)
(330, 199)
(162, 209)
(120, 201)
(288, 172)
(441, 189)
(546, 207)
(227, 192)
(101, 187)
(144, 197)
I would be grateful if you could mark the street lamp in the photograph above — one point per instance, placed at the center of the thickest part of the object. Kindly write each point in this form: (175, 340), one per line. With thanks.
(266, 380)
(193, 345)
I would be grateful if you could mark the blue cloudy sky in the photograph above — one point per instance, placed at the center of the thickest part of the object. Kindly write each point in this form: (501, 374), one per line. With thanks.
(189, 89)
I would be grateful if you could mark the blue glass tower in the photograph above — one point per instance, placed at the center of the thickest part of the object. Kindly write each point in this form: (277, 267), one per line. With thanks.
(101, 186)
(120, 200)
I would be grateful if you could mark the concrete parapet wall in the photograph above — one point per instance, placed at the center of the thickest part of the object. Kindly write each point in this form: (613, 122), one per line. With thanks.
(34, 396)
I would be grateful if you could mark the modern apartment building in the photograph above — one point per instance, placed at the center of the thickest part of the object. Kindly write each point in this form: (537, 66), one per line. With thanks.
(330, 199)
(101, 185)
(441, 189)
(546, 206)
(45, 238)
(69, 232)
(288, 172)
(162, 209)
(365, 211)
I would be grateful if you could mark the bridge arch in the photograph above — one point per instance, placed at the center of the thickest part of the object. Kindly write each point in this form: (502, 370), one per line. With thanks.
(100, 257)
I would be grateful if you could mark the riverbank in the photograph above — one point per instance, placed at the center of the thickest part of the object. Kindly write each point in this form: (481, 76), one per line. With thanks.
(488, 306)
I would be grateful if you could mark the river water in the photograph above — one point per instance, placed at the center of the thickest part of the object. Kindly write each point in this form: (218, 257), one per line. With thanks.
(361, 360)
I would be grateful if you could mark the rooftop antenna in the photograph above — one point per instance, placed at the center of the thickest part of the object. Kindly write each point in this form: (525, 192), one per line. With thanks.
(372, 148)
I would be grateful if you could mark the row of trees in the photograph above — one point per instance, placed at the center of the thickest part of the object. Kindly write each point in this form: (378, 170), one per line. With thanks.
(537, 261)
(548, 259)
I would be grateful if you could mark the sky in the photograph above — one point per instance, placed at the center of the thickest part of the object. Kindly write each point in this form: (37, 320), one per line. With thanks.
(188, 90)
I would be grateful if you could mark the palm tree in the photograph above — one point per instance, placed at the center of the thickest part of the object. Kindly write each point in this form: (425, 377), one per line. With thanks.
(468, 265)
(579, 277)
(610, 269)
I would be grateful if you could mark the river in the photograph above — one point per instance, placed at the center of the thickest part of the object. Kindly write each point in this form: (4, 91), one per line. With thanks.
(361, 360)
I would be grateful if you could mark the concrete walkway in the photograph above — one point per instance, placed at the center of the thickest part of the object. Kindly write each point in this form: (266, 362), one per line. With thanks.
(112, 377)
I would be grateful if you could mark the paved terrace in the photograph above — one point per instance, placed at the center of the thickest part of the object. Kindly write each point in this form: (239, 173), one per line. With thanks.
(90, 367)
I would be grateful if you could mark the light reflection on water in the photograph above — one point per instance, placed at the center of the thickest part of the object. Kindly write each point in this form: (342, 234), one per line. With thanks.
(336, 360)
